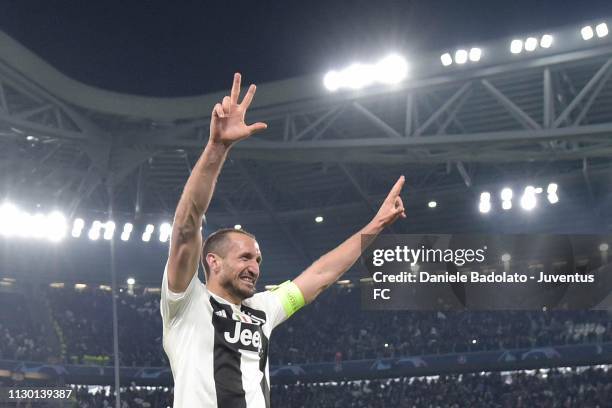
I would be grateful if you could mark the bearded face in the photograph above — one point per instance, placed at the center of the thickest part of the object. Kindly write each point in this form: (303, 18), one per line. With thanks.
(239, 269)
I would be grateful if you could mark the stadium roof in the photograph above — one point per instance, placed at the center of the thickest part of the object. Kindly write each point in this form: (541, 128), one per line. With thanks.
(454, 131)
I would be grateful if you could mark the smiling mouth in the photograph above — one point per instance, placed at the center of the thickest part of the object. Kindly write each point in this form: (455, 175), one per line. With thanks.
(248, 279)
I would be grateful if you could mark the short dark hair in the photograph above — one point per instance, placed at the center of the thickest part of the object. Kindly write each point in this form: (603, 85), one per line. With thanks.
(217, 243)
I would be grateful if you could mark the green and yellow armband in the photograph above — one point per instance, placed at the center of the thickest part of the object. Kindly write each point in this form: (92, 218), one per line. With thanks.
(290, 297)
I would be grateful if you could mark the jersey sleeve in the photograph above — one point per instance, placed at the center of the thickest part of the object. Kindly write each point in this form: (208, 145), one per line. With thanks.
(173, 305)
(281, 302)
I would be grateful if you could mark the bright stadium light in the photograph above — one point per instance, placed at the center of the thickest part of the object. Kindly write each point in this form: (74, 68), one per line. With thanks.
(446, 59)
(318, 219)
(358, 76)
(528, 200)
(475, 54)
(165, 229)
(130, 281)
(109, 230)
(485, 202)
(553, 198)
(461, 57)
(77, 227)
(506, 257)
(127, 230)
(432, 204)
(587, 33)
(484, 207)
(516, 46)
(94, 231)
(546, 41)
(332, 81)
(146, 235)
(552, 188)
(9, 215)
(506, 205)
(601, 30)
(55, 226)
(391, 69)
(506, 194)
(531, 44)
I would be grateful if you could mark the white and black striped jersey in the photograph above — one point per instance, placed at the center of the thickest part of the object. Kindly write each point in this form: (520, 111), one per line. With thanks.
(218, 351)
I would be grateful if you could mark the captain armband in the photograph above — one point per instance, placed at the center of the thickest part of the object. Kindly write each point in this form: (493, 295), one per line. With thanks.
(290, 297)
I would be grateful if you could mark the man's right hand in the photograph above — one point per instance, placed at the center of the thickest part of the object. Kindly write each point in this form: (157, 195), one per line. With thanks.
(227, 124)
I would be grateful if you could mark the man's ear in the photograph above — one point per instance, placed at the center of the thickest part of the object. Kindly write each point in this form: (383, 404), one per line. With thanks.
(213, 262)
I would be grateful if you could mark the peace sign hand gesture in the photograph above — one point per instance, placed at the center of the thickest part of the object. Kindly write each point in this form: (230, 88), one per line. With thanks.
(227, 124)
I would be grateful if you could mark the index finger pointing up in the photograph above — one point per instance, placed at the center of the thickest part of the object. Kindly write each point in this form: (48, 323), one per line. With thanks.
(397, 188)
(235, 89)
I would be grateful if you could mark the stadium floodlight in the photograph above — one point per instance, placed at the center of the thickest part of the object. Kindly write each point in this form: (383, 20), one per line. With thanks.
(485, 202)
(528, 199)
(552, 188)
(475, 54)
(432, 204)
(484, 207)
(77, 227)
(391, 70)
(55, 226)
(131, 281)
(237, 226)
(9, 216)
(109, 230)
(165, 229)
(603, 247)
(506, 205)
(358, 76)
(446, 59)
(531, 44)
(516, 46)
(461, 56)
(601, 30)
(546, 41)
(146, 235)
(506, 257)
(506, 194)
(94, 231)
(127, 230)
(318, 219)
(332, 81)
(553, 198)
(586, 32)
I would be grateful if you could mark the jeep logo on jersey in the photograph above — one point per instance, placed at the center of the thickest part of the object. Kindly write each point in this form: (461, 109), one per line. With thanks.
(251, 340)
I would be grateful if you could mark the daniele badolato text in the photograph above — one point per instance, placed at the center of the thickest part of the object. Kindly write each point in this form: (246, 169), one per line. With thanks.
(404, 256)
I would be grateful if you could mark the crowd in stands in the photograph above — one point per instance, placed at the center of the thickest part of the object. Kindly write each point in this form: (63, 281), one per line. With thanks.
(584, 387)
(85, 320)
(20, 338)
(590, 388)
(360, 334)
(131, 397)
(85, 317)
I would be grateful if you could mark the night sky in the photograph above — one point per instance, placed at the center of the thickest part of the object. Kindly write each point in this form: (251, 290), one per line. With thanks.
(179, 48)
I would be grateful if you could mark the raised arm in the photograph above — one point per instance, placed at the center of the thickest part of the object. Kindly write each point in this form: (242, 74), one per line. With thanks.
(328, 269)
(227, 127)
